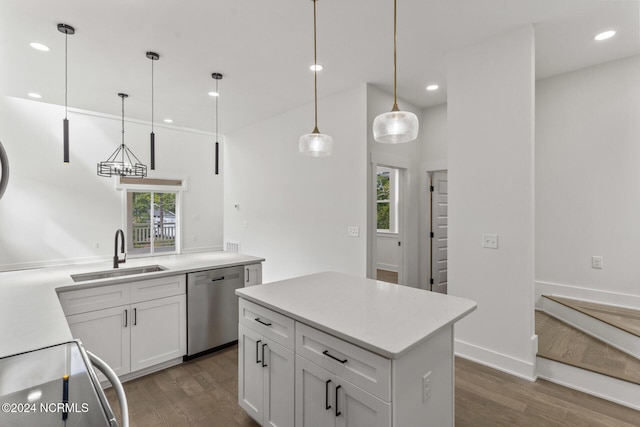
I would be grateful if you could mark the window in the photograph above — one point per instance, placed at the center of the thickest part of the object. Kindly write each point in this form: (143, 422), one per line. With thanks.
(387, 199)
(152, 223)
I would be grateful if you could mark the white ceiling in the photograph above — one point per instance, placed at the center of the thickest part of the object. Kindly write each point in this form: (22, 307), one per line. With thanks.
(264, 49)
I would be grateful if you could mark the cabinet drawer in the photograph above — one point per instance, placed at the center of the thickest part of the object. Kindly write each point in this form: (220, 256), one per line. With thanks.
(361, 367)
(91, 299)
(146, 290)
(267, 322)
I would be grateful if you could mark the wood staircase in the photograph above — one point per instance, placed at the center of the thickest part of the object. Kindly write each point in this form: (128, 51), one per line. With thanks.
(589, 346)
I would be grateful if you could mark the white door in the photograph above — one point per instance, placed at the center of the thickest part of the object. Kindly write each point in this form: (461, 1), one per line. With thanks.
(439, 218)
(279, 398)
(315, 396)
(158, 331)
(250, 372)
(357, 408)
(389, 251)
(106, 334)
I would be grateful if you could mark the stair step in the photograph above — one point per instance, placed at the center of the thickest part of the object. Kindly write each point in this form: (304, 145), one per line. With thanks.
(563, 343)
(623, 318)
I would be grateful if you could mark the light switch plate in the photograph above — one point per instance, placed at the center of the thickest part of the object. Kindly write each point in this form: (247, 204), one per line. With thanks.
(490, 241)
(597, 262)
(353, 231)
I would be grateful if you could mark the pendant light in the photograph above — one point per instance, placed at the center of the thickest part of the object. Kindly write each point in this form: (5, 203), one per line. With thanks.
(66, 30)
(153, 57)
(315, 144)
(120, 163)
(217, 77)
(395, 126)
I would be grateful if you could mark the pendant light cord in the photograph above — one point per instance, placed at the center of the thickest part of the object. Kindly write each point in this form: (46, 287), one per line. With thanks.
(151, 96)
(315, 71)
(66, 60)
(217, 109)
(395, 40)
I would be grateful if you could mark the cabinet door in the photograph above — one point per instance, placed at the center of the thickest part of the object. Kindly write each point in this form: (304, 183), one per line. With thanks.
(278, 384)
(357, 408)
(315, 396)
(158, 331)
(106, 334)
(252, 274)
(250, 372)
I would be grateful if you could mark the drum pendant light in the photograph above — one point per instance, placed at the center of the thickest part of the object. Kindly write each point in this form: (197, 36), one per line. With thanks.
(66, 30)
(153, 57)
(395, 126)
(217, 77)
(121, 162)
(315, 144)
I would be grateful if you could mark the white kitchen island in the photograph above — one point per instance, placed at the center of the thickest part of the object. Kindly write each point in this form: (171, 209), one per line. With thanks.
(335, 350)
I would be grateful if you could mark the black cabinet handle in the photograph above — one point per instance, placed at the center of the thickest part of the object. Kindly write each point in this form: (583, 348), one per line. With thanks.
(126, 318)
(326, 353)
(337, 410)
(258, 350)
(257, 319)
(217, 279)
(135, 317)
(326, 395)
(247, 275)
(264, 365)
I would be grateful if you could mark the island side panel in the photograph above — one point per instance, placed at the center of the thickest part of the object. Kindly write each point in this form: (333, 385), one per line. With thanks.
(410, 407)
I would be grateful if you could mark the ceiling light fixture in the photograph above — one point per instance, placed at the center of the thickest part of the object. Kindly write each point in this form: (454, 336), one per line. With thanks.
(217, 77)
(153, 57)
(395, 126)
(120, 163)
(66, 30)
(34, 95)
(316, 67)
(213, 93)
(168, 121)
(605, 35)
(39, 46)
(315, 144)
(431, 88)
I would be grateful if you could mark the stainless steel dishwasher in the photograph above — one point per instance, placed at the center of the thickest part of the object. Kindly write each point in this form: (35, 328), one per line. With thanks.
(212, 308)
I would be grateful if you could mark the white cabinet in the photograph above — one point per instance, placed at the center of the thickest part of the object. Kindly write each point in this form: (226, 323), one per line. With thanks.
(265, 374)
(142, 333)
(252, 274)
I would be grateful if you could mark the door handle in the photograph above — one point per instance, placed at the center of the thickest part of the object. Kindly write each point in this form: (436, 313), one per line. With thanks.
(135, 316)
(326, 395)
(258, 350)
(338, 413)
(126, 316)
(264, 365)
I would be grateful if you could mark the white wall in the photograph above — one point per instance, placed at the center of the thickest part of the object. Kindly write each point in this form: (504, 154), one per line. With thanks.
(588, 179)
(56, 213)
(491, 190)
(295, 210)
(406, 156)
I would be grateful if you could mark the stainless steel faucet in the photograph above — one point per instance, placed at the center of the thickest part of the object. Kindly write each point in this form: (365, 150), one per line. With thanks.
(117, 260)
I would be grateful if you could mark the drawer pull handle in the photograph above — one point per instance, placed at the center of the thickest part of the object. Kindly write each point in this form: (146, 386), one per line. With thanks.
(326, 395)
(338, 413)
(326, 353)
(257, 319)
(258, 350)
(264, 365)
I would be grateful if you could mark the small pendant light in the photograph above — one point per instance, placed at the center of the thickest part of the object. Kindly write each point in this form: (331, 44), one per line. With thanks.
(315, 144)
(66, 30)
(120, 163)
(153, 57)
(217, 77)
(395, 126)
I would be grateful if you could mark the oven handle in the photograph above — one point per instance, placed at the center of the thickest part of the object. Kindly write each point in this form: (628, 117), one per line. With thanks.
(117, 385)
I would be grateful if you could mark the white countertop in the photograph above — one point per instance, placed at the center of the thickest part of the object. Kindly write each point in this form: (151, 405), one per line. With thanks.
(382, 317)
(30, 313)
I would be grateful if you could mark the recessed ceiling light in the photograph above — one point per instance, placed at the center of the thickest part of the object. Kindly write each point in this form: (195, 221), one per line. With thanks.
(316, 67)
(34, 95)
(168, 121)
(605, 35)
(214, 93)
(39, 46)
(432, 87)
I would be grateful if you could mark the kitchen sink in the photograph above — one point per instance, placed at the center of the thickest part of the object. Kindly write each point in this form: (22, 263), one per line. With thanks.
(116, 272)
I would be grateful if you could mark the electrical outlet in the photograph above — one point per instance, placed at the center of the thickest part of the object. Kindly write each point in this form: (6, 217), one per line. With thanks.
(426, 386)
(490, 241)
(353, 231)
(96, 245)
(597, 262)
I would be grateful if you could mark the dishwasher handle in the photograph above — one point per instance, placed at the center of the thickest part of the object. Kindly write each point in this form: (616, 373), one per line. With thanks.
(217, 279)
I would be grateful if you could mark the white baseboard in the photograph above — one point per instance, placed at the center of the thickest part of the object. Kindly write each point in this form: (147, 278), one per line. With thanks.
(502, 362)
(387, 267)
(585, 294)
(602, 386)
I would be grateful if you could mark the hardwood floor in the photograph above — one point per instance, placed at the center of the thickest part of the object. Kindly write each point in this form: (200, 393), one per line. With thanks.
(203, 392)
(387, 276)
(563, 343)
